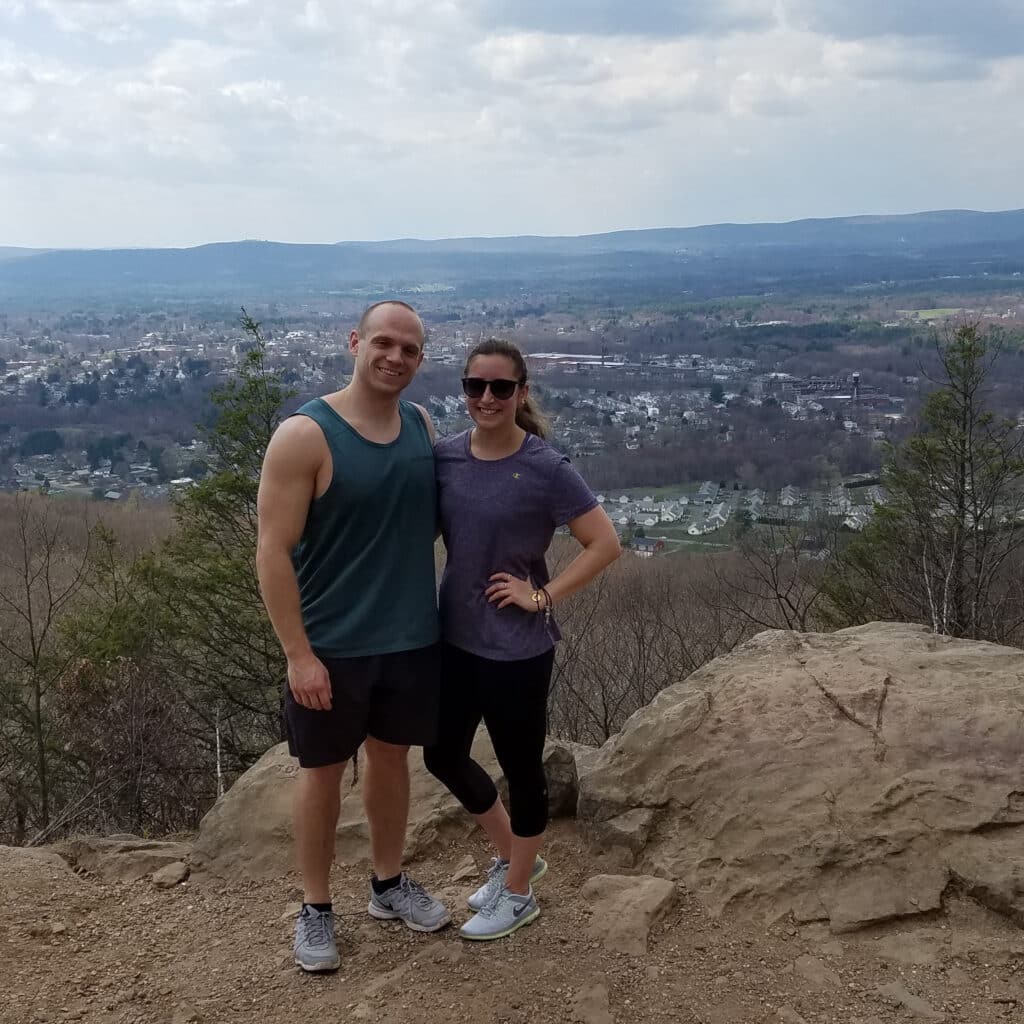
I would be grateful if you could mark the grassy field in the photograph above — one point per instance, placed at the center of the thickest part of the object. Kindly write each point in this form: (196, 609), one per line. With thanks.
(703, 544)
(657, 493)
(930, 314)
(677, 539)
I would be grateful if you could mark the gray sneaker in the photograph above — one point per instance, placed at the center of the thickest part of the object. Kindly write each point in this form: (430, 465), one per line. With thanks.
(502, 916)
(409, 902)
(496, 875)
(314, 941)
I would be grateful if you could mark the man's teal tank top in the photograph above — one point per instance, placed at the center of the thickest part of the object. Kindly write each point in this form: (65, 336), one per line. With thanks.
(365, 561)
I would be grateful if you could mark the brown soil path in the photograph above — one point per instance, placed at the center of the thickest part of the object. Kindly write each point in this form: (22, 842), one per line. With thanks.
(134, 954)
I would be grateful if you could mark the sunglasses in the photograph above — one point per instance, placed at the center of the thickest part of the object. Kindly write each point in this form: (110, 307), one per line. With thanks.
(474, 387)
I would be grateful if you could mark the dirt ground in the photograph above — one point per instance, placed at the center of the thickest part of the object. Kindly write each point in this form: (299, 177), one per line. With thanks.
(129, 953)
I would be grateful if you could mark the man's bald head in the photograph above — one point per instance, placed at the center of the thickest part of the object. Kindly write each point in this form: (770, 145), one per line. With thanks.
(378, 310)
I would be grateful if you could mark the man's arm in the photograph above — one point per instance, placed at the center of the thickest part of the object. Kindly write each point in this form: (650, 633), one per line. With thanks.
(287, 486)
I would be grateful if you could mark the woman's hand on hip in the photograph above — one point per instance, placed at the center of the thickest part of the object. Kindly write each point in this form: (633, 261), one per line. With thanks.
(506, 589)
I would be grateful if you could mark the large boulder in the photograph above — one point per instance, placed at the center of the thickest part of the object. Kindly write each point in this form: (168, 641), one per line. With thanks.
(847, 777)
(248, 832)
(561, 769)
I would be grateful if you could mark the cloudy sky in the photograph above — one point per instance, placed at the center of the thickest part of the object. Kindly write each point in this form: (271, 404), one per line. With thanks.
(174, 122)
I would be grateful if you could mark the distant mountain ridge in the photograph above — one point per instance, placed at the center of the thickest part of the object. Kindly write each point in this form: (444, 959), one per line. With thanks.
(715, 259)
(932, 227)
(16, 252)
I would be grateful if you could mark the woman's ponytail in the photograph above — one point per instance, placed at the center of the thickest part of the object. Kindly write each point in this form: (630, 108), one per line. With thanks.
(532, 420)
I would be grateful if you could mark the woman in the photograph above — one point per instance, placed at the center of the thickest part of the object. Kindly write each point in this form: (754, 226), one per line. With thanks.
(502, 491)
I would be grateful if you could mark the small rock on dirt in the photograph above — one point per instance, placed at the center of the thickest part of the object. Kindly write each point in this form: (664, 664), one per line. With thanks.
(185, 1013)
(897, 993)
(625, 908)
(171, 875)
(812, 970)
(590, 1006)
(465, 869)
(291, 911)
(787, 1015)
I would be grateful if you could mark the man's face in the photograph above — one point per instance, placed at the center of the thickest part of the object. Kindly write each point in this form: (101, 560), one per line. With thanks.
(389, 351)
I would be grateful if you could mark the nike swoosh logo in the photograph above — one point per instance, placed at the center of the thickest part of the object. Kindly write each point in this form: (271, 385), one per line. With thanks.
(519, 908)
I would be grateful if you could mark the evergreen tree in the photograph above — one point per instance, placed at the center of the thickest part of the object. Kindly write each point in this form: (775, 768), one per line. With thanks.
(192, 609)
(946, 549)
(216, 631)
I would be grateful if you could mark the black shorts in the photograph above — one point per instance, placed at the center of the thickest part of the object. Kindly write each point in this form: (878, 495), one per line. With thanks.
(391, 697)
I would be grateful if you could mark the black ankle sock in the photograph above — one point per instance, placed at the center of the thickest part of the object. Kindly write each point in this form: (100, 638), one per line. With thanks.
(381, 885)
(324, 908)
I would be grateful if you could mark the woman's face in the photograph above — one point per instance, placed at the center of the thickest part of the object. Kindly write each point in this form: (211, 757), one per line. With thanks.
(489, 412)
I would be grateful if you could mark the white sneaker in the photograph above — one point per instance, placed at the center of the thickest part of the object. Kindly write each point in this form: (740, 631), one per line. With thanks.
(496, 875)
(502, 916)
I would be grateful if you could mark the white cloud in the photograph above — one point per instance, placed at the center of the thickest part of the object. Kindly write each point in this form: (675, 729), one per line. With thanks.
(326, 119)
(894, 59)
(539, 59)
(652, 18)
(191, 60)
(131, 17)
(777, 94)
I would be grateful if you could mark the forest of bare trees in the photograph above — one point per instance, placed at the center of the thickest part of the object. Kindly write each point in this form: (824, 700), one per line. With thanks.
(767, 449)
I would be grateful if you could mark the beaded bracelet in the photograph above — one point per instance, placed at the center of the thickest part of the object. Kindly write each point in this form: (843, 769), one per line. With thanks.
(535, 597)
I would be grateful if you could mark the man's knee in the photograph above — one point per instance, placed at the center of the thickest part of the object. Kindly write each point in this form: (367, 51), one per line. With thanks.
(387, 755)
(322, 779)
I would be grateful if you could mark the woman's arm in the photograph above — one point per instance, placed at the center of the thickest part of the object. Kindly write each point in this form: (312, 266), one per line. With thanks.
(596, 533)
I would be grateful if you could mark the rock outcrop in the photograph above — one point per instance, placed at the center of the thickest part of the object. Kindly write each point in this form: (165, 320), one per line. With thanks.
(121, 858)
(847, 777)
(248, 832)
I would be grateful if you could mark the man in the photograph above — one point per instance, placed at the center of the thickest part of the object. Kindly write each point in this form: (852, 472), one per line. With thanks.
(346, 567)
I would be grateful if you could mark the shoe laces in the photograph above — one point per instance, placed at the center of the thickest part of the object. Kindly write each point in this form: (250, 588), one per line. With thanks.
(491, 907)
(419, 895)
(495, 877)
(318, 927)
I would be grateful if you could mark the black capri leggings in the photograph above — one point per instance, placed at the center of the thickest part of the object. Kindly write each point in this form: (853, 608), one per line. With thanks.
(511, 698)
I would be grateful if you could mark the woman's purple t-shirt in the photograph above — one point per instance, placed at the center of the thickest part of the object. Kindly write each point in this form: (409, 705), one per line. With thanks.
(500, 516)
